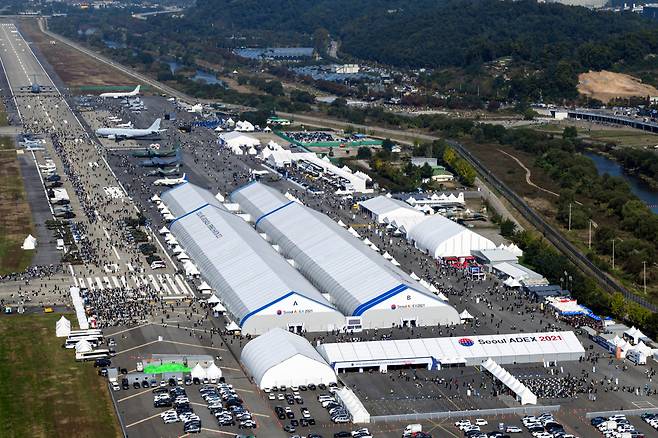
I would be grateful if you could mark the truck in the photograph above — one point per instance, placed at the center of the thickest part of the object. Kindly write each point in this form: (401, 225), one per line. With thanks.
(412, 428)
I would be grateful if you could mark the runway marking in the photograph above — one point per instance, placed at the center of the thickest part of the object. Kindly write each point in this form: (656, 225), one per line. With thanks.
(72, 271)
(133, 395)
(194, 345)
(142, 420)
(115, 252)
(136, 347)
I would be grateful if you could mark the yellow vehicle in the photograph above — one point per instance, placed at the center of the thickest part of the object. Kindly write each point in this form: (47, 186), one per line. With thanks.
(48, 310)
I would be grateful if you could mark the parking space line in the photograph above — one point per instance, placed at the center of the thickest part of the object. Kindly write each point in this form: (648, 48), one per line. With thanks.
(136, 347)
(217, 431)
(133, 395)
(244, 390)
(128, 330)
(194, 345)
(232, 369)
(260, 415)
(142, 420)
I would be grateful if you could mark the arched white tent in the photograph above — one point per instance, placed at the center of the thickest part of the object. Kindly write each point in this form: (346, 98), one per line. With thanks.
(441, 237)
(279, 357)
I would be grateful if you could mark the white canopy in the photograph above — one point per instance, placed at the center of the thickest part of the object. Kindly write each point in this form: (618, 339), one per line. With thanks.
(190, 269)
(512, 282)
(183, 256)
(353, 232)
(204, 287)
(62, 327)
(177, 249)
(83, 347)
(367, 241)
(213, 300)
(387, 256)
(233, 327)
(395, 262)
(198, 371)
(164, 230)
(414, 276)
(465, 315)
(527, 397)
(29, 243)
(213, 372)
(341, 223)
(443, 297)
(219, 308)
(155, 198)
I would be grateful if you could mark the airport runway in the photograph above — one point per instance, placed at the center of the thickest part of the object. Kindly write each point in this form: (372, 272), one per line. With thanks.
(97, 198)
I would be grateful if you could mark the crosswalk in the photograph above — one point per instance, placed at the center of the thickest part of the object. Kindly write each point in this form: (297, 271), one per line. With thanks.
(166, 285)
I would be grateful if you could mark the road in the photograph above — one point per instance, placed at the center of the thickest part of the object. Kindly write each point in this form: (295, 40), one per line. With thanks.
(552, 234)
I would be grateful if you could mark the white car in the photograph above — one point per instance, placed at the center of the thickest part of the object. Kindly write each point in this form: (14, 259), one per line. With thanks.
(280, 396)
(461, 424)
(513, 429)
(271, 396)
(481, 422)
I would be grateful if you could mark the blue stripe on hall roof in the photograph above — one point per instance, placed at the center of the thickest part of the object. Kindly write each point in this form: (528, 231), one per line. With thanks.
(378, 299)
(263, 216)
(281, 298)
(187, 214)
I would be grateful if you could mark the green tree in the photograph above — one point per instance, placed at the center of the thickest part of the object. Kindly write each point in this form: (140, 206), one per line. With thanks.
(569, 132)
(363, 153)
(507, 228)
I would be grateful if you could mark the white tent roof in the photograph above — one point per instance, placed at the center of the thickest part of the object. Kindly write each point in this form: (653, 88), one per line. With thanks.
(237, 139)
(353, 405)
(414, 276)
(512, 282)
(386, 209)
(219, 308)
(281, 347)
(29, 243)
(83, 346)
(155, 198)
(465, 315)
(213, 372)
(232, 327)
(198, 371)
(517, 271)
(164, 230)
(204, 286)
(341, 223)
(523, 392)
(213, 300)
(190, 269)
(62, 327)
(442, 237)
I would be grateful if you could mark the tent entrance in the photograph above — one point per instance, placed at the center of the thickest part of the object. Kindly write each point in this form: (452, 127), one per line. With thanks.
(409, 322)
(296, 328)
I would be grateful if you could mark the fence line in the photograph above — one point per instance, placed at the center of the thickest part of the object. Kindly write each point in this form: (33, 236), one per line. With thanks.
(525, 410)
(627, 412)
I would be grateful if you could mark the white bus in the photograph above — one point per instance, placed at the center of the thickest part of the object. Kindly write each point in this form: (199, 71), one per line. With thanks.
(85, 332)
(93, 355)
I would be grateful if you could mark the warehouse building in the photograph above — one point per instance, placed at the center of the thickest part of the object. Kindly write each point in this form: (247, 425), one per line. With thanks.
(437, 353)
(441, 237)
(369, 290)
(279, 357)
(257, 286)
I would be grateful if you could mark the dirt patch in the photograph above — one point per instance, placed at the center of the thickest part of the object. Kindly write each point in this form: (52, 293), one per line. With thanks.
(74, 68)
(605, 85)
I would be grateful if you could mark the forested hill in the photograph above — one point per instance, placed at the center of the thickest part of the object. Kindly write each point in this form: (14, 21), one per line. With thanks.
(439, 33)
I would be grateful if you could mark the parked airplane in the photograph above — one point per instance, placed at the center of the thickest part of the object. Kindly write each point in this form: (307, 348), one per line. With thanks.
(155, 152)
(162, 162)
(119, 134)
(170, 181)
(31, 145)
(135, 92)
(115, 119)
(165, 172)
(125, 125)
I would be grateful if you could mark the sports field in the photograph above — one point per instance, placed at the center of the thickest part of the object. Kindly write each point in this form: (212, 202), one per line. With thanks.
(45, 392)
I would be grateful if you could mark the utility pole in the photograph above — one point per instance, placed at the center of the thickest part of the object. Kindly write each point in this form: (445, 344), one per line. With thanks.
(644, 269)
(613, 254)
(589, 240)
(570, 216)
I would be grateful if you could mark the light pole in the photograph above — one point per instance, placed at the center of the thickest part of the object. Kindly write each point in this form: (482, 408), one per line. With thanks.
(570, 216)
(644, 270)
(613, 254)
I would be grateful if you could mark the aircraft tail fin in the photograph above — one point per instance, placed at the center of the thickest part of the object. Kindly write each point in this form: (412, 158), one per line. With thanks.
(184, 176)
(136, 90)
(156, 125)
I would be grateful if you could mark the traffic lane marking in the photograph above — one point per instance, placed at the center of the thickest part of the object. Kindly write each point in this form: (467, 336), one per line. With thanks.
(133, 395)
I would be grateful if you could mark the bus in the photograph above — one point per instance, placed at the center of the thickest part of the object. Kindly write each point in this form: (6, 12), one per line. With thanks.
(74, 333)
(93, 355)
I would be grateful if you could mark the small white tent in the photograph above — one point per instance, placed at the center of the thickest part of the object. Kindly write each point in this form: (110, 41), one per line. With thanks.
(83, 346)
(213, 372)
(29, 243)
(213, 300)
(198, 372)
(204, 287)
(62, 327)
(465, 315)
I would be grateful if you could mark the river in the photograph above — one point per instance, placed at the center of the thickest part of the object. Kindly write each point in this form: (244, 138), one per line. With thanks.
(641, 189)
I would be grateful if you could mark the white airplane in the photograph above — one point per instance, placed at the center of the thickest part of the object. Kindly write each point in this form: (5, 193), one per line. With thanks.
(125, 125)
(124, 133)
(115, 119)
(135, 92)
(170, 181)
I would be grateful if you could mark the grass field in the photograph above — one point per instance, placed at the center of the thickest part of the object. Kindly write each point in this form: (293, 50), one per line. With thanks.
(73, 67)
(45, 392)
(15, 217)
